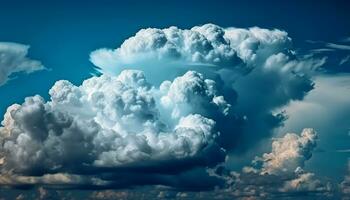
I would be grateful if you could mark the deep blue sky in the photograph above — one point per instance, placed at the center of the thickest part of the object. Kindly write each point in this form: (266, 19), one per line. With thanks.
(63, 33)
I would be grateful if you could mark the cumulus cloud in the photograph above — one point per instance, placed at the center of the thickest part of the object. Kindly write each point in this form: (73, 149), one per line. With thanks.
(248, 64)
(111, 122)
(208, 46)
(279, 173)
(289, 153)
(169, 102)
(13, 59)
(327, 110)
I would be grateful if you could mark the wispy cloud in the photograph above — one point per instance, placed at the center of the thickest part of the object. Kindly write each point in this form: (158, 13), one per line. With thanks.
(344, 60)
(343, 151)
(346, 39)
(338, 46)
(321, 50)
(331, 45)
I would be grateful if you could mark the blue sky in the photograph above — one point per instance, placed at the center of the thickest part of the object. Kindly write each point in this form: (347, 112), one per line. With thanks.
(250, 108)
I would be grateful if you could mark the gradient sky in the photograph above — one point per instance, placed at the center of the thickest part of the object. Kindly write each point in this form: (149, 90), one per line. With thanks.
(62, 34)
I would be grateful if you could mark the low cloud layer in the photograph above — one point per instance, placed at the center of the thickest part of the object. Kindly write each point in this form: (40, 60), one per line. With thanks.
(268, 177)
(13, 59)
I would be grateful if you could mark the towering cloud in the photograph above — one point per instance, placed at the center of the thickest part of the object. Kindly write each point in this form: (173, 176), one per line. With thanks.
(248, 64)
(13, 58)
(288, 153)
(170, 103)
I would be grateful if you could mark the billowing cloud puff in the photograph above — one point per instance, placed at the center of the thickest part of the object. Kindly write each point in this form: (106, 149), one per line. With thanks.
(207, 45)
(289, 153)
(111, 122)
(13, 58)
(248, 64)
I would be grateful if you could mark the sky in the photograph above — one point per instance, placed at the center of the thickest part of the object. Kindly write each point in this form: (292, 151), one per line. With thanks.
(174, 100)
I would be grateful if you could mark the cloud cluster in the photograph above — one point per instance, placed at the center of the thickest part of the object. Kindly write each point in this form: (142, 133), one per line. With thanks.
(209, 91)
(248, 64)
(13, 59)
(266, 178)
(113, 122)
(278, 173)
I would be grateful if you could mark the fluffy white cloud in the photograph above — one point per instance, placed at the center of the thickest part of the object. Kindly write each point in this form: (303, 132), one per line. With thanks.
(289, 153)
(13, 58)
(247, 64)
(208, 45)
(112, 122)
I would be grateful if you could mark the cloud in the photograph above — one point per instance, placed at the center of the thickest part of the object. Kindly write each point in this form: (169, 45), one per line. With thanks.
(169, 104)
(327, 110)
(338, 46)
(113, 122)
(331, 45)
(336, 55)
(13, 59)
(255, 181)
(344, 60)
(205, 47)
(345, 185)
(346, 39)
(279, 173)
(240, 60)
(288, 153)
(265, 178)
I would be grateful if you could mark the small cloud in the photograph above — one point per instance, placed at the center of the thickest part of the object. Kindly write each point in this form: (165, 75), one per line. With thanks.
(13, 59)
(314, 41)
(321, 50)
(346, 39)
(343, 151)
(338, 46)
(344, 60)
